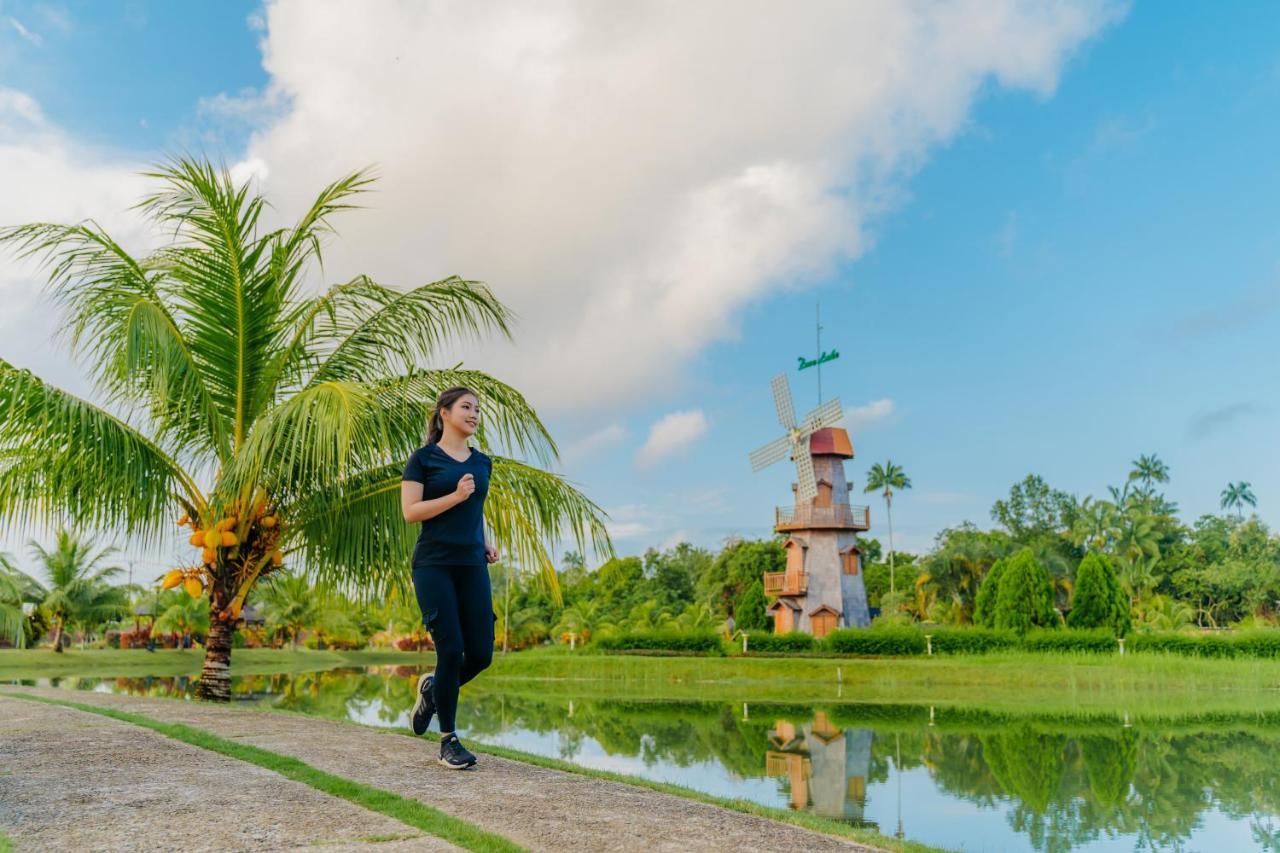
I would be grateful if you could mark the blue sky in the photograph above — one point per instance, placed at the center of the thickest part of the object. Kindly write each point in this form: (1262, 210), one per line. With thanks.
(1068, 279)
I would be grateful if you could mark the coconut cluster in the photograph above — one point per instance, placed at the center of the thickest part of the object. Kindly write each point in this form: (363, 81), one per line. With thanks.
(247, 539)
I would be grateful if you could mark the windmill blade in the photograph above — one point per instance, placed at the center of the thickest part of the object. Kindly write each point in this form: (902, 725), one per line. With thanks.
(782, 401)
(806, 483)
(774, 451)
(827, 415)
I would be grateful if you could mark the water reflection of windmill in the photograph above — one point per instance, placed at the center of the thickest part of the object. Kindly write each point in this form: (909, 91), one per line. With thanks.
(826, 767)
(822, 586)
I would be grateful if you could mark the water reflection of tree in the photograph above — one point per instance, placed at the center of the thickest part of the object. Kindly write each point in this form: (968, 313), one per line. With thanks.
(1065, 782)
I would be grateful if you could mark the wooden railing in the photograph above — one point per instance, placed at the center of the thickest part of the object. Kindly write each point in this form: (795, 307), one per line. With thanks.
(841, 516)
(786, 583)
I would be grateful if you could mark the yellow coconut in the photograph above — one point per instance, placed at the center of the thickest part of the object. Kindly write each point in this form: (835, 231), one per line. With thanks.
(209, 555)
(197, 538)
(277, 558)
(229, 539)
(172, 579)
(212, 538)
(182, 522)
(193, 587)
(269, 522)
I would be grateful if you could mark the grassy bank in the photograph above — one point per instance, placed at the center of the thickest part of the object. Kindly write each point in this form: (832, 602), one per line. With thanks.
(1157, 684)
(1161, 684)
(106, 663)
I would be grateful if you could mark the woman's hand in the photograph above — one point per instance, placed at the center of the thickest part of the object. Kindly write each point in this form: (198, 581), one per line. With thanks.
(491, 553)
(466, 486)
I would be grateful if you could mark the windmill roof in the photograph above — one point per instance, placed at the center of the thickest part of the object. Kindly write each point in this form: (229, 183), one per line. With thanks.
(831, 441)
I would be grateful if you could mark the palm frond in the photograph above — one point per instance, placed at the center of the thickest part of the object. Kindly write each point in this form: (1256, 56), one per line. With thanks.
(118, 321)
(221, 271)
(61, 456)
(409, 328)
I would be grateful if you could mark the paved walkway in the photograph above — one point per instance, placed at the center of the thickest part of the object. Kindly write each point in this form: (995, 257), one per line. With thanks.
(538, 808)
(63, 786)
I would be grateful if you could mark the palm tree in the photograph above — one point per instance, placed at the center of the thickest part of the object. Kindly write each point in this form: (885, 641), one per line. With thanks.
(273, 421)
(1149, 470)
(79, 591)
(186, 615)
(1236, 495)
(888, 477)
(289, 605)
(13, 621)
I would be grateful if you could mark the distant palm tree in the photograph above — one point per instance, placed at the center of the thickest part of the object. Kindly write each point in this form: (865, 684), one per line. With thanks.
(186, 616)
(1236, 495)
(79, 591)
(1149, 470)
(272, 420)
(13, 621)
(289, 605)
(888, 477)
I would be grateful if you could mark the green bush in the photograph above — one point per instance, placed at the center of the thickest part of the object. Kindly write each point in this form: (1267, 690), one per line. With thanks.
(748, 611)
(1199, 645)
(971, 641)
(1025, 597)
(1261, 644)
(875, 641)
(1098, 600)
(796, 641)
(984, 605)
(663, 641)
(1098, 641)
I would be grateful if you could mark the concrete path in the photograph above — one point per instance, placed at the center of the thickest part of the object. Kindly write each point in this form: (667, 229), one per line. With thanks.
(535, 807)
(76, 781)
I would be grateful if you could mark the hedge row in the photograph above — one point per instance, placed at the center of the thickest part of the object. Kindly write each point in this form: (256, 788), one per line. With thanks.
(898, 641)
(667, 641)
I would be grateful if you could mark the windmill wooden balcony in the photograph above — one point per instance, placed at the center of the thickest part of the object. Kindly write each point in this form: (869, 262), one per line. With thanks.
(834, 517)
(786, 583)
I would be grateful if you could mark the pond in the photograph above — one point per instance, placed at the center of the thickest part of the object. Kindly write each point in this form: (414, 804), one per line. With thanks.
(962, 779)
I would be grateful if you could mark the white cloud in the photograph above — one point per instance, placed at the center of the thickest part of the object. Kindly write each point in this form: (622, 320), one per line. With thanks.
(628, 178)
(864, 417)
(671, 434)
(1007, 237)
(592, 443)
(34, 38)
(47, 177)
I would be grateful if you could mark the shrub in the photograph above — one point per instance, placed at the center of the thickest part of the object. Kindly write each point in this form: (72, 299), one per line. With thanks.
(1262, 644)
(748, 611)
(1098, 641)
(1025, 597)
(971, 641)
(1098, 601)
(984, 604)
(664, 641)
(796, 641)
(1170, 642)
(875, 641)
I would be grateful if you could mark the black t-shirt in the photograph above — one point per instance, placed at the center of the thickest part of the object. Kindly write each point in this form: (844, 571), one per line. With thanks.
(455, 536)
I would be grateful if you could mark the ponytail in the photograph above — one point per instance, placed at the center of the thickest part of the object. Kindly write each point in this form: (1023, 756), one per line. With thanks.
(449, 396)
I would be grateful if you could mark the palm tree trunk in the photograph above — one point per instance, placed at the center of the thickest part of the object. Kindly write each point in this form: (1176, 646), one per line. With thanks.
(215, 678)
(57, 636)
(888, 508)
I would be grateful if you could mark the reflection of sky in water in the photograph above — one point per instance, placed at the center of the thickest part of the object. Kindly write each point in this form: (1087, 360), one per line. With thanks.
(821, 766)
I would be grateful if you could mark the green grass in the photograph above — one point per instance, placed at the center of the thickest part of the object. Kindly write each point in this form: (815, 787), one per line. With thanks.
(1168, 684)
(410, 812)
(6, 845)
(107, 663)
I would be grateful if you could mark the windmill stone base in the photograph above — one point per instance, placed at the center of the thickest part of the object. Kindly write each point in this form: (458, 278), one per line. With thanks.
(822, 588)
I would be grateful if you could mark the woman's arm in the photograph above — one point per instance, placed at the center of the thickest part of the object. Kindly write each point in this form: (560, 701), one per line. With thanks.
(415, 509)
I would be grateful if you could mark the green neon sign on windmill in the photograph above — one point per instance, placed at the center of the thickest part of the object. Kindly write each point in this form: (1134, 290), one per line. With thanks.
(823, 358)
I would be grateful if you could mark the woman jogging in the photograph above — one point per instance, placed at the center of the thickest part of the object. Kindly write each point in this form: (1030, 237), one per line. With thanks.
(444, 487)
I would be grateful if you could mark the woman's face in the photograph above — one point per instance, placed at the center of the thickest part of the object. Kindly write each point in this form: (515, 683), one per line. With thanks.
(464, 414)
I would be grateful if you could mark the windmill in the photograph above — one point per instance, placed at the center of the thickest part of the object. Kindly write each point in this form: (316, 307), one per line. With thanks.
(796, 441)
